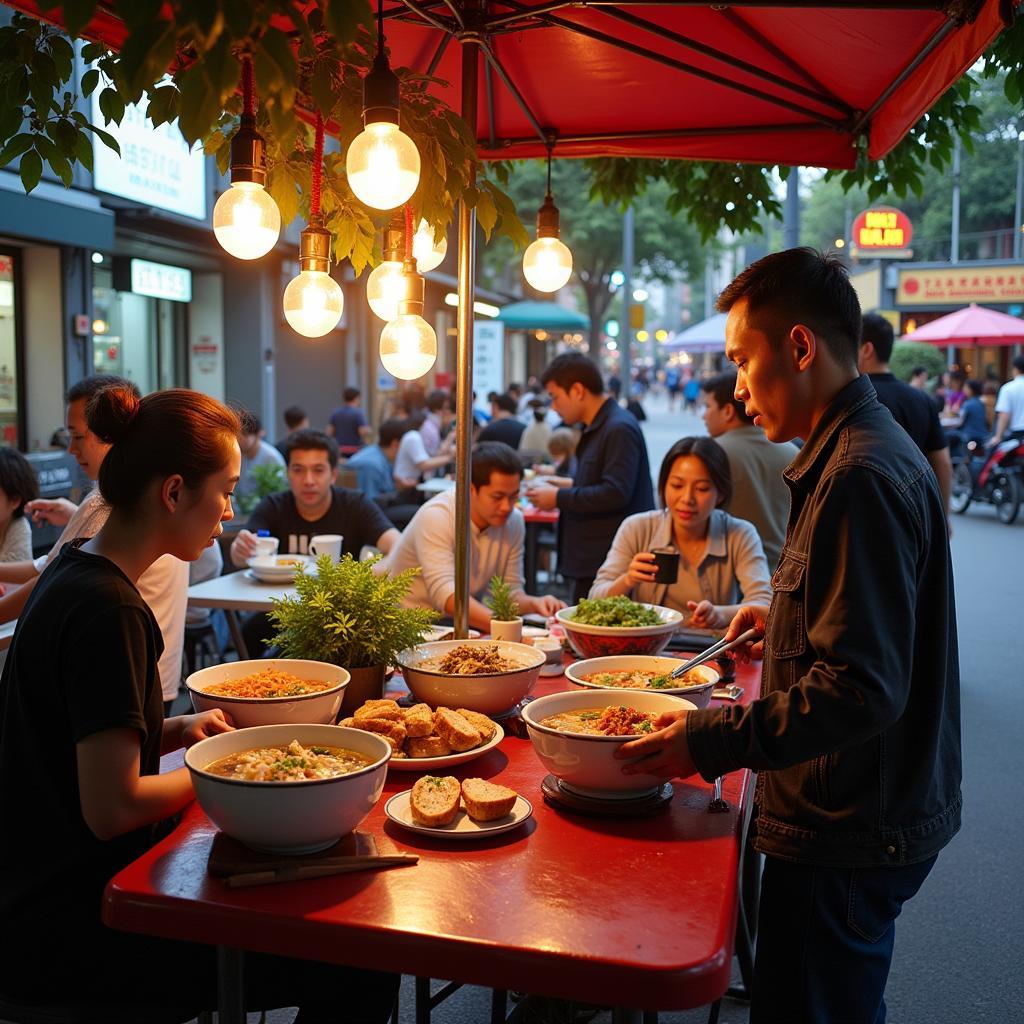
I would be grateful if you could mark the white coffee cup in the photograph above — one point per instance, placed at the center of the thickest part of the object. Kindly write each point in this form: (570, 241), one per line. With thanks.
(266, 547)
(326, 544)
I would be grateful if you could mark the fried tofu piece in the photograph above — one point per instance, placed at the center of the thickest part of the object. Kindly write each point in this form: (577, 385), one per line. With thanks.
(388, 709)
(393, 732)
(419, 720)
(348, 723)
(426, 746)
(481, 722)
(455, 730)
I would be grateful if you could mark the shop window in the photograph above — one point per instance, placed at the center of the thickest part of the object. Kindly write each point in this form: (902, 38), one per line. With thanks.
(8, 353)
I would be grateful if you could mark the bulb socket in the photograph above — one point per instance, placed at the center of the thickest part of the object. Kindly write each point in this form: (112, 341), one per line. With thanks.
(248, 154)
(393, 246)
(547, 219)
(414, 290)
(380, 93)
(315, 247)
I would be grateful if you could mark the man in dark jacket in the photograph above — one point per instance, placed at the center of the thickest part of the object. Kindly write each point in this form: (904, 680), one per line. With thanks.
(613, 476)
(857, 733)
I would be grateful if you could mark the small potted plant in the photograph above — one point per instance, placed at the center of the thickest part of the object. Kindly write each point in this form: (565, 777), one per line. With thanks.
(506, 622)
(348, 615)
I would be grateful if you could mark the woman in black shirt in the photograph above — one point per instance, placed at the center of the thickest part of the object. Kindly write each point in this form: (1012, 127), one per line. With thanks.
(82, 729)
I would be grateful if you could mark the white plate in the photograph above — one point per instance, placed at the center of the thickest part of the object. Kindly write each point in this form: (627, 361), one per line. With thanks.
(535, 632)
(433, 633)
(463, 827)
(426, 764)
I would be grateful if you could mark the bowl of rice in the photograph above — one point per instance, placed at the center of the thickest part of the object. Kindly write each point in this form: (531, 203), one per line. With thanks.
(601, 627)
(489, 676)
(270, 691)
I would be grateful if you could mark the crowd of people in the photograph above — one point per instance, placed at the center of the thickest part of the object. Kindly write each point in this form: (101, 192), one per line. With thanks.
(807, 496)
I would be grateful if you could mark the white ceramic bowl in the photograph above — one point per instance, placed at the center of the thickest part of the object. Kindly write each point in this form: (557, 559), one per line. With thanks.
(586, 764)
(698, 693)
(320, 707)
(493, 694)
(288, 817)
(279, 568)
(601, 641)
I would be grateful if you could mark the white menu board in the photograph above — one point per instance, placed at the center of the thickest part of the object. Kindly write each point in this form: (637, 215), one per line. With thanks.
(488, 359)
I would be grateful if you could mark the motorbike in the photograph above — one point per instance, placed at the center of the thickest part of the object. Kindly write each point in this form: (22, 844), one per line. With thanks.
(991, 477)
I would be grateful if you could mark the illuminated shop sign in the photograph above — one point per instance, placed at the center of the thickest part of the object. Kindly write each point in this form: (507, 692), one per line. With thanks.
(160, 281)
(882, 232)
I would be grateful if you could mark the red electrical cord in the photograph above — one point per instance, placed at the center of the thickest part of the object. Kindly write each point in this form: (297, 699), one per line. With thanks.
(318, 159)
(408, 231)
(248, 91)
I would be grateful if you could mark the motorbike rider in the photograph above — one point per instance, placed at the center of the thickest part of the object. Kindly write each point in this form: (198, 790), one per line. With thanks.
(1010, 406)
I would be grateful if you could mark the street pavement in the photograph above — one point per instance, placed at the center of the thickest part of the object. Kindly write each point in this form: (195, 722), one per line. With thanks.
(958, 943)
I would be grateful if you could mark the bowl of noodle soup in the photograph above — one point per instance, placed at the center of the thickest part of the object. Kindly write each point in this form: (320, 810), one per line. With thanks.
(489, 676)
(639, 672)
(270, 691)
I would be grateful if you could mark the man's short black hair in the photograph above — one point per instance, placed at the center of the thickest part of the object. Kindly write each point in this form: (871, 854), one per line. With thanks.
(573, 368)
(293, 416)
(90, 386)
(493, 457)
(879, 332)
(801, 286)
(350, 394)
(249, 422)
(312, 440)
(723, 387)
(1018, 364)
(392, 430)
(506, 403)
(438, 399)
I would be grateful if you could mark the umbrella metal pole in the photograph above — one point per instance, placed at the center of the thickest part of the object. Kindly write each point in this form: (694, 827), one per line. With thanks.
(464, 358)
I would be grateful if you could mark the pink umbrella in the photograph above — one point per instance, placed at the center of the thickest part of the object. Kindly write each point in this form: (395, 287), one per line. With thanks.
(975, 325)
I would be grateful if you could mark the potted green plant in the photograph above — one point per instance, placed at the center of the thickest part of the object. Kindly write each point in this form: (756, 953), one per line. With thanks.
(506, 622)
(348, 615)
(267, 479)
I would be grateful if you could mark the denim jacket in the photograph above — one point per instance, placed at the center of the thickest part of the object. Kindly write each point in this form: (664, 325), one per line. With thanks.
(857, 733)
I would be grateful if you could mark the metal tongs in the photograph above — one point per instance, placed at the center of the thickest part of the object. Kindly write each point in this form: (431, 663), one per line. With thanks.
(713, 651)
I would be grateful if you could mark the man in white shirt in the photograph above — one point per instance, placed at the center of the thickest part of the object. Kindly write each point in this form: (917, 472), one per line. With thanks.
(496, 538)
(413, 460)
(163, 586)
(1010, 405)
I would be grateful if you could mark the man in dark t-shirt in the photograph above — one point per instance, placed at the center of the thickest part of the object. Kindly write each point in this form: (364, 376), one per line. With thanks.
(504, 426)
(911, 408)
(312, 505)
(347, 424)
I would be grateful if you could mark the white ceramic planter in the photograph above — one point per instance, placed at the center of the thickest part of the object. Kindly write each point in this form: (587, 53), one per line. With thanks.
(507, 629)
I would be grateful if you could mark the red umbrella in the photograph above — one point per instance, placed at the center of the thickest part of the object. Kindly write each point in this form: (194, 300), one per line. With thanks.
(975, 325)
(783, 82)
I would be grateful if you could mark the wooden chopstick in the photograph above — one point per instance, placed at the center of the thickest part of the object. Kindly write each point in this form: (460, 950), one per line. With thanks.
(292, 874)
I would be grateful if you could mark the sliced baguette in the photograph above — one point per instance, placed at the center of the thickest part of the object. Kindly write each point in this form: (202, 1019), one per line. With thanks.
(481, 722)
(435, 800)
(419, 720)
(426, 746)
(487, 801)
(455, 730)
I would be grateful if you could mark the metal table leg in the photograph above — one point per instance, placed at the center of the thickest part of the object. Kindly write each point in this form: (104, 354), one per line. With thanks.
(235, 629)
(230, 985)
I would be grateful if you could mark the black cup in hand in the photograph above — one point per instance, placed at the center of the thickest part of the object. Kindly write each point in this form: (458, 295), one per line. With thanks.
(666, 563)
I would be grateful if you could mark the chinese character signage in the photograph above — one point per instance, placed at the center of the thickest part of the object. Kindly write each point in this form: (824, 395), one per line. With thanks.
(959, 285)
(161, 281)
(155, 166)
(882, 231)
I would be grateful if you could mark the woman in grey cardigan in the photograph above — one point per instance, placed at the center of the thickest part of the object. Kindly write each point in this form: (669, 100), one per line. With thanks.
(720, 557)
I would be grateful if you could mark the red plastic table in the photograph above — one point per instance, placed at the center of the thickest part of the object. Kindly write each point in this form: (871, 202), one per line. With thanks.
(626, 912)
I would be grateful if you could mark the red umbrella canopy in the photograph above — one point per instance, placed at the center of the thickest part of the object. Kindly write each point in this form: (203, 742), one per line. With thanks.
(975, 325)
(790, 83)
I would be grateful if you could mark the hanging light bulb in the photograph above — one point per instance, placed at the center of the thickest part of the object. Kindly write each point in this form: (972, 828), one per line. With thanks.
(246, 220)
(386, 285)
(408, 344)
(313, 301)
(547, 262)
(427, 253)
(382, 163)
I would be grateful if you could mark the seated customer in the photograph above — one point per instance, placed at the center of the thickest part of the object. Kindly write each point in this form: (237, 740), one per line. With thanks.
(504, 426)
(18, 486)
(720, 557)
(496, 539)
(313, 505)
(413, 459)
(973, 425)
(374, 465)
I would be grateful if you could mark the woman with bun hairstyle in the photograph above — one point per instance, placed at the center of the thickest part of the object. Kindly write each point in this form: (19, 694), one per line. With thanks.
(82, 727)
(720, 557)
